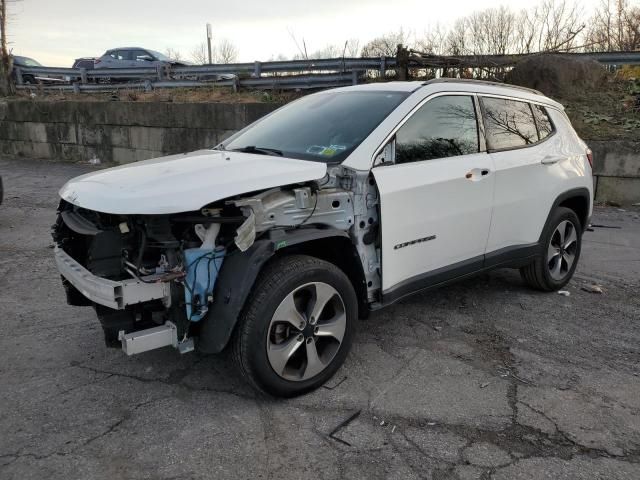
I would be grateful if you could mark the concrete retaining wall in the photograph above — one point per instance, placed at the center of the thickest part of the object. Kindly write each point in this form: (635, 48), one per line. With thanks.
(118, 131)
(124, 132)
(616, 167)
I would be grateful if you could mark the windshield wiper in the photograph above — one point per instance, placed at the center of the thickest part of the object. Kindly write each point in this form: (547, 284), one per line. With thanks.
(259, 150)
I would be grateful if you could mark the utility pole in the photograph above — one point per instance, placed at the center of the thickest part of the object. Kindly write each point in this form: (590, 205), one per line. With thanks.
(209, 40)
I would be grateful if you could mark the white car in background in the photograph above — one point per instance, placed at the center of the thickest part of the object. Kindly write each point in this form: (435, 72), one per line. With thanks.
(277, 240)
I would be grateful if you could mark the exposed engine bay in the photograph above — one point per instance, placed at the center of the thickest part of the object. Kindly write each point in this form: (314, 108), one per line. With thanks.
(164, 268)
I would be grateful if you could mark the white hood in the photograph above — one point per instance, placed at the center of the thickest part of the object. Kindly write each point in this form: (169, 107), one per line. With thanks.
(184, 182)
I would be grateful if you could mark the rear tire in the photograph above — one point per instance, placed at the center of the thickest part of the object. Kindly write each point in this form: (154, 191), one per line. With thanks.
(561, 245)
(297, 326)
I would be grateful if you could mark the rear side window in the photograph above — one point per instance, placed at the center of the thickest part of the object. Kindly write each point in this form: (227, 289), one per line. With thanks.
(121, 54)
(141, 55)
(445, 126)
(508, 123)
(543, 122)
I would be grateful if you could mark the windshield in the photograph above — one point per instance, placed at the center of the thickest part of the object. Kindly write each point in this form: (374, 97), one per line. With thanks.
(26, 62)
(159, 56)
(323, 128)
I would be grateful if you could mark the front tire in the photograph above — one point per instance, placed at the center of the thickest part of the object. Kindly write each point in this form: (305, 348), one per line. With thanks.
(561, 242)
(297, 327)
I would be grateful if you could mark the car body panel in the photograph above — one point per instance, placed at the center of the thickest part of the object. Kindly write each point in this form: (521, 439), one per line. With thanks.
(184, 182)
(433, 204)
(466, 219)
(526, 188)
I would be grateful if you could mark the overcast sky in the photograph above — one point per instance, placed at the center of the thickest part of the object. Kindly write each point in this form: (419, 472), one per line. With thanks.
(55, 32)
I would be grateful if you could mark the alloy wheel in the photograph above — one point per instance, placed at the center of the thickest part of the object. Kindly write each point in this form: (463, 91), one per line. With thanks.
(561, 252)
(306, 331)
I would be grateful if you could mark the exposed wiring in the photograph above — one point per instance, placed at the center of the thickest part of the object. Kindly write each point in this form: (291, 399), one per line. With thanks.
(210, 257)
(137, 277)
(315, 205)
(143, 246)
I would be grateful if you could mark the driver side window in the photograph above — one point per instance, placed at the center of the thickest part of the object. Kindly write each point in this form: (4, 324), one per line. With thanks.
(445, 126)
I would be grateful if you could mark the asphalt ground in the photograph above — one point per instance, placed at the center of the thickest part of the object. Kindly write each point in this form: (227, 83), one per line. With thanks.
(483, 379)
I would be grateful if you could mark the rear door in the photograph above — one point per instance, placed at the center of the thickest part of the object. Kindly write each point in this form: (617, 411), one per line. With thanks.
(120, 59)
(521, 141)
(142, 58)
(436, 198)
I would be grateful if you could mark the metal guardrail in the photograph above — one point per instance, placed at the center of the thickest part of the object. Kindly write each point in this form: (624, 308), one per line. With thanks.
(290, 74)
(295, 74)
(476, 61)
(299, 82)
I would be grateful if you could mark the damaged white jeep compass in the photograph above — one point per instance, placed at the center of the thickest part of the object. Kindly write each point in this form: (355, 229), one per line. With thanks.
(278, 239)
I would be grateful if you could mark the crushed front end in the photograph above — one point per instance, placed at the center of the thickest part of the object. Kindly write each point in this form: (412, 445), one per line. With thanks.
(160, 280)
(149, 277)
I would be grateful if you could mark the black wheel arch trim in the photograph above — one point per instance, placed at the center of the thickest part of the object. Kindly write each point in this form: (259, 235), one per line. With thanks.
(237, 276)
(582, 192)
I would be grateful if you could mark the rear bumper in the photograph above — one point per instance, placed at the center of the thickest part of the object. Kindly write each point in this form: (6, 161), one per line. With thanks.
(110, 293)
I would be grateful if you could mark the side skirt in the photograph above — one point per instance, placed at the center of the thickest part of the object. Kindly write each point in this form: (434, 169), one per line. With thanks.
(513, 257)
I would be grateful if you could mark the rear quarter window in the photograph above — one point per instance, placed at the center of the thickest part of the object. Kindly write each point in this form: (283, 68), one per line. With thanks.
(543, 122)
(508, 123)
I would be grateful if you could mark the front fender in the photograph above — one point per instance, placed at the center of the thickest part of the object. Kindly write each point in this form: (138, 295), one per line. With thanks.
(237, 277)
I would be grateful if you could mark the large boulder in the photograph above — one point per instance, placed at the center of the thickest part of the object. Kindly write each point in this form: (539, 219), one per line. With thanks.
(558, 75)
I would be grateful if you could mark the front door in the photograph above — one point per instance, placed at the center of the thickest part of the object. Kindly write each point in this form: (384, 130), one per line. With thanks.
(436, 199)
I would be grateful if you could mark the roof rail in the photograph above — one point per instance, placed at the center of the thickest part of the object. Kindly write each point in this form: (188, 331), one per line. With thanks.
(480, 82)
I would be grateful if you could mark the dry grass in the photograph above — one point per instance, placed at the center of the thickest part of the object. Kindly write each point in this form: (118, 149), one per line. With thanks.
(601, 105)
(609, 113)
(178, 95)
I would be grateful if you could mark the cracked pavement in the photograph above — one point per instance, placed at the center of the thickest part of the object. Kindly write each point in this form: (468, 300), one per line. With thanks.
(483, 379)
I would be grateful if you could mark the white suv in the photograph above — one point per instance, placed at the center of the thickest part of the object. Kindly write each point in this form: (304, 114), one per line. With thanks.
(277, 240)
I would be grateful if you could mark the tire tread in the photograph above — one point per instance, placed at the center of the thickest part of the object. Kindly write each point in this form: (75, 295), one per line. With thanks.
(534, 273)
(271, 277)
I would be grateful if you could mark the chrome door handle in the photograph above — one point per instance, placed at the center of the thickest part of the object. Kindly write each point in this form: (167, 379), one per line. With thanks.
(551, 159)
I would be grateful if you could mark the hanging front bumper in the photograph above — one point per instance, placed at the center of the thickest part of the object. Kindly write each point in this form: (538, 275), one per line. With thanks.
(110, 293)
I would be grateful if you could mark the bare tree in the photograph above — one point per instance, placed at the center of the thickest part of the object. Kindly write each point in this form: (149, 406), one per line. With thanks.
(385, 45)
(434, 41)
(173, 54)
(457, 38)
(557, 24)
(5, 61)
(525, 25)
(615, 26)
(351, 48)
(199, 54)
(552, 25)
(490, 31)
(225, 52)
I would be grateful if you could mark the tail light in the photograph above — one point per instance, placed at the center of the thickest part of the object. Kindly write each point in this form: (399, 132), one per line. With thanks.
(96, 61)
(590, 157)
